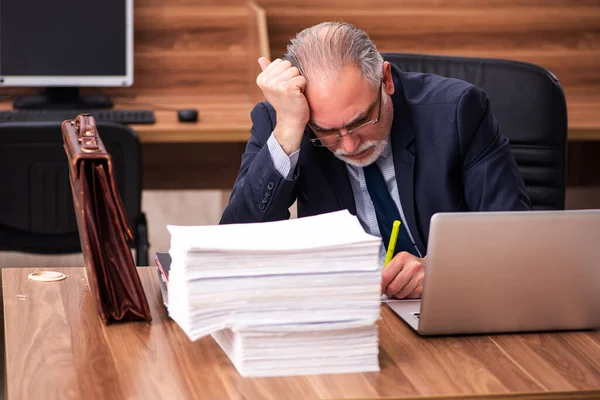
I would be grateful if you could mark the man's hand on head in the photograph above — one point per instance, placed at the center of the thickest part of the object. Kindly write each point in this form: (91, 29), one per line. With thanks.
(402, 278)
(283, 87)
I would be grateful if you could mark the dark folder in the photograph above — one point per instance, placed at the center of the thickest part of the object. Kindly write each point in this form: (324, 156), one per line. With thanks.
(163, 262)
(163, 265)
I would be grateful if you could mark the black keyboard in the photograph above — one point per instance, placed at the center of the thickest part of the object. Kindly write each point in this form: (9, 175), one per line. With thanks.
(119, 116)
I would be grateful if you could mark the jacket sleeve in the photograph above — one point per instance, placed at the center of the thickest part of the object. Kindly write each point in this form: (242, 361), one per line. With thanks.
(259, 193)
(491, 178)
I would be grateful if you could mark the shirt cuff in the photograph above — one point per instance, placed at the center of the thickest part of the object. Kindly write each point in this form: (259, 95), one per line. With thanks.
(283, 164)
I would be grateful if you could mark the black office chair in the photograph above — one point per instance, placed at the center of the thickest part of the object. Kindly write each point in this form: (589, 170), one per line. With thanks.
(36, 205)
(530, 107)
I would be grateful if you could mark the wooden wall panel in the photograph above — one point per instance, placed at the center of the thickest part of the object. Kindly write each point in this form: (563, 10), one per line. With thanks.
(258, 45)
(390, 4)
(176, 74)
(518, 32)
(191, 49)
(195, 3)
(190, 28)
(456, 29)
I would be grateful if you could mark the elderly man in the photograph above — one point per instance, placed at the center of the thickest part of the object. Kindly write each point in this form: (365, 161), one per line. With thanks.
(343, 129)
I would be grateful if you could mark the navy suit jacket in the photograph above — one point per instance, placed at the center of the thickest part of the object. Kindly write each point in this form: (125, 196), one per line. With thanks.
(449, 155)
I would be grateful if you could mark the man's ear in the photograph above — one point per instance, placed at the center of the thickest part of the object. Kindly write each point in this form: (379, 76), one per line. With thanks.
(388, 81)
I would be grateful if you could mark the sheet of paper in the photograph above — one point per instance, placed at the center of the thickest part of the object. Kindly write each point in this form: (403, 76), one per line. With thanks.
(325, 230)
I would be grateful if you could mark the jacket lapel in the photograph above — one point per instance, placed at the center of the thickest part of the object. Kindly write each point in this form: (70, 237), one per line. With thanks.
(403, 136)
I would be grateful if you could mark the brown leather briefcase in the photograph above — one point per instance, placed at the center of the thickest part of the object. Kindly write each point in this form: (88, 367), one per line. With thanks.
(103, 228)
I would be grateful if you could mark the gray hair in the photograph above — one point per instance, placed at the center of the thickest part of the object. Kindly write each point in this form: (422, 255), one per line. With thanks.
(322, 51)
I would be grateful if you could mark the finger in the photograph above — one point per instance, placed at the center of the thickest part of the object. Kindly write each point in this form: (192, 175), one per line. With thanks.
(410, 289)
(397, 283)
(403, 278)
(393, 268)
(278, 68)
(288, 74)
(265, 78)
(297, 83)
(417, 293)
(268, 71)
(263, 62)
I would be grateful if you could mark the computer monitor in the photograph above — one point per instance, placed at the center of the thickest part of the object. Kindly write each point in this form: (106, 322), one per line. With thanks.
(64, 45)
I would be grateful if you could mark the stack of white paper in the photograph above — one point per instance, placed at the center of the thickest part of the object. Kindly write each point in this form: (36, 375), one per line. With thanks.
(282, 298)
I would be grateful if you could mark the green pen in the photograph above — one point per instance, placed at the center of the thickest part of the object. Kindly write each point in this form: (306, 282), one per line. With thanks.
(392, 245)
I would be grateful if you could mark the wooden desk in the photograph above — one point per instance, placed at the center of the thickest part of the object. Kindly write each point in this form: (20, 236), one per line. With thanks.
(56, 347)
(222, 119)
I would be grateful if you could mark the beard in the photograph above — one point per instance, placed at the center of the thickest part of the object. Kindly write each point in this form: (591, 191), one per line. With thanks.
(377, 146)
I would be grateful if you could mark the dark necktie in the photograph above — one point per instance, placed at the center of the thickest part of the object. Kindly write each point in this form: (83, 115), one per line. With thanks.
(386, 210)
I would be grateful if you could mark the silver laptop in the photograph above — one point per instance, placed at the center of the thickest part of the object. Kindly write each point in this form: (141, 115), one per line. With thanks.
(509, 272)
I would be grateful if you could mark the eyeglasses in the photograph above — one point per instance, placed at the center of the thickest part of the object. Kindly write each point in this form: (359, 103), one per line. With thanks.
(331, 139)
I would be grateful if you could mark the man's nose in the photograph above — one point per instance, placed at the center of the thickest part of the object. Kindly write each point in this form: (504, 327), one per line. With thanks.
(349, 143)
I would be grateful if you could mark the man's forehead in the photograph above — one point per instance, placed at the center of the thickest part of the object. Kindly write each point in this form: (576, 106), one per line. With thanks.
(342, 97)
(338, 117)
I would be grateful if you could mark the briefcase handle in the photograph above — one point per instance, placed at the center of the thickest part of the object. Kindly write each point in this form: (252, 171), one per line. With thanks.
(87, 133)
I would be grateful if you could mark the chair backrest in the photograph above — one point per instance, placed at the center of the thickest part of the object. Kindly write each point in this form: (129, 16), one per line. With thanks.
(36, 207)
(530, 107)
